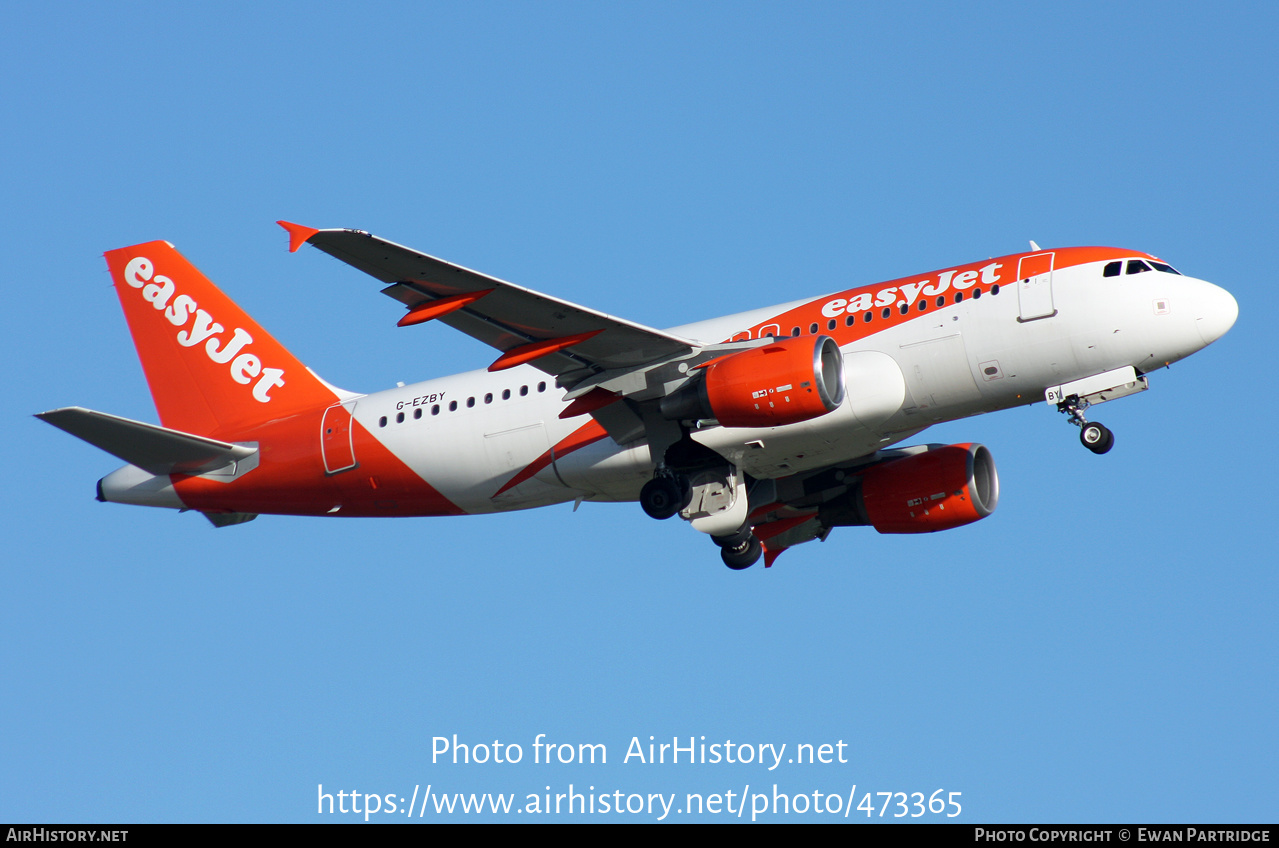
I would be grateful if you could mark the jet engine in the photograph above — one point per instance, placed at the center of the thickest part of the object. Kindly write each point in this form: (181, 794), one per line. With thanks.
(785, 382)
(942, 487)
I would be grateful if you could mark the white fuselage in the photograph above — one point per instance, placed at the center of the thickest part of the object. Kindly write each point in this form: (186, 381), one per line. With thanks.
(470, 433)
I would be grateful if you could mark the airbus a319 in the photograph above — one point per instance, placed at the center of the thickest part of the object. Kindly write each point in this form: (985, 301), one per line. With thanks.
(762, 430)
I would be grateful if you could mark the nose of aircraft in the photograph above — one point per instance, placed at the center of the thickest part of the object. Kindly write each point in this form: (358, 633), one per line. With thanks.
(1217, 311)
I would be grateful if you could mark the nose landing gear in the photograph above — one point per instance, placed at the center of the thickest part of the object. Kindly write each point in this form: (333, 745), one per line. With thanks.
(1092, 435)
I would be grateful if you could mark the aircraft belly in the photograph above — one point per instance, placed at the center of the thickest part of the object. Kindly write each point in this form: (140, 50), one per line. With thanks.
(771, 452)
(604, 470)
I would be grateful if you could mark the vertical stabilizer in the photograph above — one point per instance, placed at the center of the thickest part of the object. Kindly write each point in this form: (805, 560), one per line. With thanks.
(211, 368)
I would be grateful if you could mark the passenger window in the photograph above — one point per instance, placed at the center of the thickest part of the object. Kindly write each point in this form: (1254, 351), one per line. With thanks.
(381, 422)
(1112, 269)
(959, 297)
(452, 406)
(994, 289)
(1136, 266)
(541, 387)
(417, 413)
(812, 329)
(850, 320)
(794, 331)
(941, 301)
(488, 397)
(523, 391)
(399, 418)
(470, 402)
(506, 394)
(866, 319)
(887, 311)
(435, 410)
(904, 308)
(830, 325)
(923, 304)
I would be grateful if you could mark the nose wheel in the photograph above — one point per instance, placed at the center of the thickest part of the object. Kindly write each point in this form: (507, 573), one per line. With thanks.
(1092, 435)
(1096, 437)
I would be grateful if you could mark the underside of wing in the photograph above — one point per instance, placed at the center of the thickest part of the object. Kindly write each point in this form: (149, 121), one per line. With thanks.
(554, 335)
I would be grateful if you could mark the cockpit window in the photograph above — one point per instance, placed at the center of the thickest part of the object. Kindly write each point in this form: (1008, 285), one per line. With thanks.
(1167, 269)
(1112, 269)
(1136, 266)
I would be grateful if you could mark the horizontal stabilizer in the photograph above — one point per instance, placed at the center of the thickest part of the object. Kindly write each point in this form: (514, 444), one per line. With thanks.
(154, 449)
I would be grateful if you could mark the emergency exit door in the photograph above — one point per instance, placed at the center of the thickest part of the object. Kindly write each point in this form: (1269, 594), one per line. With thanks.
(336, 438)
(1035, 287)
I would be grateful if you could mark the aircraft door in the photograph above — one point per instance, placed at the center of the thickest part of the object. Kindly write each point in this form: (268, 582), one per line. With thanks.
(336, 443)
(1035, 287)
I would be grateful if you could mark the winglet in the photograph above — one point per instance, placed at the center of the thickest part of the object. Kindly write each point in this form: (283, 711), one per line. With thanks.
(298, 234)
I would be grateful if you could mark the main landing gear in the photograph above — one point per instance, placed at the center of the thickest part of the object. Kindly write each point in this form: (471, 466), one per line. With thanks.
(666, 494)
(740, 550)
(669, 492)
(1092, 435)
(710, 493)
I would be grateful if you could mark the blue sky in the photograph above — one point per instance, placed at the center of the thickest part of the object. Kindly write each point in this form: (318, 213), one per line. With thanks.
(1101, 649)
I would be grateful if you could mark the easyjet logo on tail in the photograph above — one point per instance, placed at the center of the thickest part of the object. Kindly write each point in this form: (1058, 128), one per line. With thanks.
(196, 325)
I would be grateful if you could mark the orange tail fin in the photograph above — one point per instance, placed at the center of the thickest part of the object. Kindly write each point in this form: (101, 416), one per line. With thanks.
(211, 368)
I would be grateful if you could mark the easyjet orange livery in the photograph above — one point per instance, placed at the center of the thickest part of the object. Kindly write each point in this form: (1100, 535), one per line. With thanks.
(762, 429)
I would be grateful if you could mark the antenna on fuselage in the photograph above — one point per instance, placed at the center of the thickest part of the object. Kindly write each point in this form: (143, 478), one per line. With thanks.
(1034, 246)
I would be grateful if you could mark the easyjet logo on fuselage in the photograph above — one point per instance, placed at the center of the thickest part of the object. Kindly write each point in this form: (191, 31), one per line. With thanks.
(906, 293)
(197, 325)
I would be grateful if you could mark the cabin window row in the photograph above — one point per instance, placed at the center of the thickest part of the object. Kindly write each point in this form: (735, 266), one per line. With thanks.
(454, 405)
(887, 311)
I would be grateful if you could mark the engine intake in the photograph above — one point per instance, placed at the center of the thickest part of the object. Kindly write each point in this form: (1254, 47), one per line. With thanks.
(785, 382)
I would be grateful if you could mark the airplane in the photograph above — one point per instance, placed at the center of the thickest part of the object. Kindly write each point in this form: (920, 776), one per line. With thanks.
(763, 429)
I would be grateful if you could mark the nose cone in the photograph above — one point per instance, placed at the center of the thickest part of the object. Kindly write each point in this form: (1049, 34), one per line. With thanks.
(1217, 312)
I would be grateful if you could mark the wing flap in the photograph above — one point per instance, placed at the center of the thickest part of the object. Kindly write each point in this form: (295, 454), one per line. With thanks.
(156, 450)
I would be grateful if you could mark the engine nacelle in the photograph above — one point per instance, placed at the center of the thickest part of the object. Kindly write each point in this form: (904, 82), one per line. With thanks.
(785, 382)
(946, 486)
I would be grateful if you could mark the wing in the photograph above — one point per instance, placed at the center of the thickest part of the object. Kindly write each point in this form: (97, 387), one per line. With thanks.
(556, 336)
(598, 358)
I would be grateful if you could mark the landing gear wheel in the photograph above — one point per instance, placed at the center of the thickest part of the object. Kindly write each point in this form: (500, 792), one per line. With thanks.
(1096, 437)
(742, 555)
(662, 497)
(734, 540)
